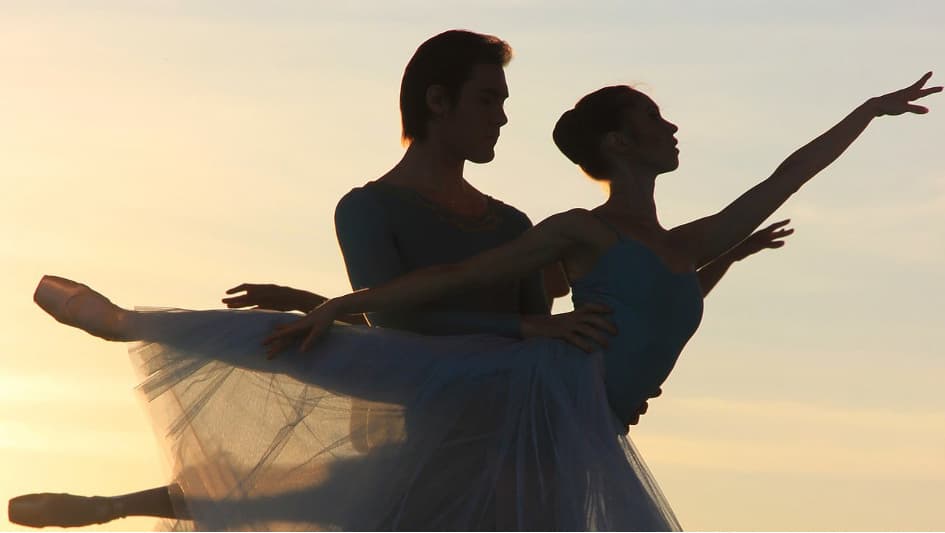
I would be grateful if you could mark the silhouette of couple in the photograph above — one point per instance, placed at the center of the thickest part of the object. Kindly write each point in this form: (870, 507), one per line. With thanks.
(471, 407)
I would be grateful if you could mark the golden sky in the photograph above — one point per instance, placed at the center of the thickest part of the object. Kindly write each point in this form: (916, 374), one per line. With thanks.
(164, 151)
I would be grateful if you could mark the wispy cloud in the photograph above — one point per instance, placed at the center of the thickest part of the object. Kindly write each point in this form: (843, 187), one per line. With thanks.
(799, 438)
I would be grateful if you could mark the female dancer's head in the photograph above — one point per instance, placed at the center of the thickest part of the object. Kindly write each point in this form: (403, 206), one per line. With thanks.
(616, 130)
(453, 92)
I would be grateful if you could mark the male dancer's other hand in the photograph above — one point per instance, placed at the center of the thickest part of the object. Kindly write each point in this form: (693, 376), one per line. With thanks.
(272, 298)
(582, 327)
(635, 418)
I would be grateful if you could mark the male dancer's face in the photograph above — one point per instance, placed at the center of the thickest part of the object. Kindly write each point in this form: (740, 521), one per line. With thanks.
(471, 127)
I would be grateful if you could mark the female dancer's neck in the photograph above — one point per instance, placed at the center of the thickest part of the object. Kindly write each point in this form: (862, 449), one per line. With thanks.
(632, 196)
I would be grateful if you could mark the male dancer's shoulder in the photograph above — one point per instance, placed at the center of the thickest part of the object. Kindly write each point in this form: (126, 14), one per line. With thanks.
(360, 203)
(511, 213)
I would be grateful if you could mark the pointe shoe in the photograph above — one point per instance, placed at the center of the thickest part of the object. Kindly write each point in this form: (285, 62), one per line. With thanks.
(76, 305)
(63, 510)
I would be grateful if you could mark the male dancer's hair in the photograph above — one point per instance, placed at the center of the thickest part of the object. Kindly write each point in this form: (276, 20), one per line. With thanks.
(446, 60)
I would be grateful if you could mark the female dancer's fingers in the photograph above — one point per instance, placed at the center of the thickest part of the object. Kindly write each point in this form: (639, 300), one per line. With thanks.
(307, 342)
(925, 77)
(917, 109)
(311, 338)
(284, 331)
(778, 224)
(275, 348)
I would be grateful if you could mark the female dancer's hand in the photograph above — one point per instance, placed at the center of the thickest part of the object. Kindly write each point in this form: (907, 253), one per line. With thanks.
(769, 237)
(582, 327)
(309, 328)
(899, 102)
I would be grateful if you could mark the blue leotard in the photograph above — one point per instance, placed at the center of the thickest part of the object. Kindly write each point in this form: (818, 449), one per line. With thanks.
(655, 310)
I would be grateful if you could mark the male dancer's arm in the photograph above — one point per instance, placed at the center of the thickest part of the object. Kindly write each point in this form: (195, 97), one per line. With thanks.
(538, 290)
(273, 297)
(372, 259)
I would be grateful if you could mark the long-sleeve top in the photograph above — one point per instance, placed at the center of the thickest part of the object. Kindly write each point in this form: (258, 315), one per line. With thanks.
(388, 230)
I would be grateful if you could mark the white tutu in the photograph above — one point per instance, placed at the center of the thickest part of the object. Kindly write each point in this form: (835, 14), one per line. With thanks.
(378, 429)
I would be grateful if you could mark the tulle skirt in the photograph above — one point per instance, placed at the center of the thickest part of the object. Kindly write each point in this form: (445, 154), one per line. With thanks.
(377, 429)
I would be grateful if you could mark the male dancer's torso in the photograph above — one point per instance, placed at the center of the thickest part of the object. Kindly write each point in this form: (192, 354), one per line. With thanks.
(386, 230)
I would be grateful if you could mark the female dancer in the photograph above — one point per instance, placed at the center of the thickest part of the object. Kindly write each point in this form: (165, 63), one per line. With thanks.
(533, 408)
(420, 213)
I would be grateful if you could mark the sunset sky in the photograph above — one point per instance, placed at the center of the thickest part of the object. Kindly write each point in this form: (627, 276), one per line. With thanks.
(164, 151)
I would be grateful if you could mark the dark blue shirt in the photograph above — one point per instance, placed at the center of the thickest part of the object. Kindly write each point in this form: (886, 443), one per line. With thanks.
(387, 230)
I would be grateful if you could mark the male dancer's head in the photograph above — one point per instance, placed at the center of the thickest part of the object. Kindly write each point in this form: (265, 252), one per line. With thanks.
(452, 95)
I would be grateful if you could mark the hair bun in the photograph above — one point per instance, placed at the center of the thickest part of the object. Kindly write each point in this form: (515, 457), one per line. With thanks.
(579, 131)
(570, 137)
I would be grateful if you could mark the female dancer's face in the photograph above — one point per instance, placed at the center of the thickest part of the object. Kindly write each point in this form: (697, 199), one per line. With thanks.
(652, 143)
(471, 127)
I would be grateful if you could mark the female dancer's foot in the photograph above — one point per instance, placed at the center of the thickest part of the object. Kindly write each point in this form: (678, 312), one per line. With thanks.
(63, 510)
(75, 304)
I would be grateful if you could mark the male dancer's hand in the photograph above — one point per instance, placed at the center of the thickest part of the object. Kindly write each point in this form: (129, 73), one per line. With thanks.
(272, 298)
(582, 327)
(635, 418)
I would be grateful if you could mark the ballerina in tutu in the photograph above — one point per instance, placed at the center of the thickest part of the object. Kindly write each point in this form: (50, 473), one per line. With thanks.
(404, 221)
(259, 437)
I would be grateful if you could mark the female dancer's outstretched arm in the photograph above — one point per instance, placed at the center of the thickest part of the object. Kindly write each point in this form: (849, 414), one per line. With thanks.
(709, 237)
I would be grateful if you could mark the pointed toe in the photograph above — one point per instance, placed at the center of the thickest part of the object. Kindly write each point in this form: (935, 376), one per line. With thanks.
(53, 293)
(77, 305)
(62, 510)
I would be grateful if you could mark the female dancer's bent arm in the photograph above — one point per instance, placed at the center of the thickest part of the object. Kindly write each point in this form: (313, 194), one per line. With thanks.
(769, 237)
(545, 243)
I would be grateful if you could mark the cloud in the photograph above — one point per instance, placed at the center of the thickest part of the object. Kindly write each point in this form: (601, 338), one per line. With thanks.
(800, 438)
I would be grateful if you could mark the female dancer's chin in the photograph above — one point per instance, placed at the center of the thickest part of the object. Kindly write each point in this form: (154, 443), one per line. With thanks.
(75, 304)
